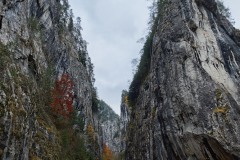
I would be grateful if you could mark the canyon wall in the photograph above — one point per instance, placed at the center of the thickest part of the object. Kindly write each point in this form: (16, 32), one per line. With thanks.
(187, 105)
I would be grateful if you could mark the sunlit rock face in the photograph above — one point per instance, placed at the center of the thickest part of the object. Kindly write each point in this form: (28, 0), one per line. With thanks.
(32, 40)
(191, 107)
(110, 127)
(124, 120)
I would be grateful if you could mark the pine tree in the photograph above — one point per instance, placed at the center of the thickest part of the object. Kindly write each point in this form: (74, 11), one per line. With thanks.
(70, 24)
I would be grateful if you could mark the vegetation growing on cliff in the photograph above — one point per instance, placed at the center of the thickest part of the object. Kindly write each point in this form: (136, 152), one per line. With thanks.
(145, 61)
(42, 112)
(105, 112)
(141, 72)
(95, 100)
(4, 56)
(62, 96)
(225, 11)
(73, 142)
(107, 153)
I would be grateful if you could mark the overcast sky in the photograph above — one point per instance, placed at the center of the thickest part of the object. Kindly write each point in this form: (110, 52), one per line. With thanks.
(112, 29)
(234, 5)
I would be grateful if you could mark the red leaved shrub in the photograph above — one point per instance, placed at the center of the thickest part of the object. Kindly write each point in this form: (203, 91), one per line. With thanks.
(62, 96)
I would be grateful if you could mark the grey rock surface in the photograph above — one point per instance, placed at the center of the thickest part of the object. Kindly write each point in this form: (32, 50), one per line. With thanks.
(124, 120)
(191, 108)
(110, 126)
(34, 38)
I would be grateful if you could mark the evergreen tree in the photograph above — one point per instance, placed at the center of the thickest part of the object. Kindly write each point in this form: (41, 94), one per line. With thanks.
(225, 11)
(70, 23)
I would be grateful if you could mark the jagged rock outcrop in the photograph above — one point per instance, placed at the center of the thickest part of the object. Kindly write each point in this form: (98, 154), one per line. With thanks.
(35, 39)
(110, 127)
(124, 120)
(188, 106)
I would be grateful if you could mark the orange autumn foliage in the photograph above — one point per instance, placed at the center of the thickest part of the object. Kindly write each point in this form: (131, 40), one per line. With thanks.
(90, 131)
(107, 153)
(62, 95)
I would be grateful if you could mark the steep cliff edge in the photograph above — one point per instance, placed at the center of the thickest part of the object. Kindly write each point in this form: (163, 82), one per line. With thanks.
(47, 98)
(110, 125)
(124, 120)
(186, 105)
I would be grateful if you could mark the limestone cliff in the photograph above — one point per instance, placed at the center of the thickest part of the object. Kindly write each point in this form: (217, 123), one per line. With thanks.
(110, 127)
(124, 120)
(39, 43)
(187, 105)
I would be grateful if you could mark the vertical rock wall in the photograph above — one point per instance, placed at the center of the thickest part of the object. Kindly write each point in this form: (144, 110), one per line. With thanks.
(32, 40)
(110, 126)
(124, 120)
(191, 107)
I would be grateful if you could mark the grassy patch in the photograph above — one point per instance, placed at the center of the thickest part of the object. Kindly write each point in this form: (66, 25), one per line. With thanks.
(221, 109)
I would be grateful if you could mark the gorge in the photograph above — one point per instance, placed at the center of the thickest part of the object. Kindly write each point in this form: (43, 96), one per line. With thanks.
(182, 104)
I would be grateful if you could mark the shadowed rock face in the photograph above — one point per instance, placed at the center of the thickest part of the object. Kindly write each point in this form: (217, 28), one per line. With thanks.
(191, 108)
(124, 120)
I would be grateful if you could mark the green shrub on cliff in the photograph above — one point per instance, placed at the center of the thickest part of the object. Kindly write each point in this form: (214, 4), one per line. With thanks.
(145, 61)
(4, 56)
(33, 24)
(142, 71)
(225, 11)
(95, 100)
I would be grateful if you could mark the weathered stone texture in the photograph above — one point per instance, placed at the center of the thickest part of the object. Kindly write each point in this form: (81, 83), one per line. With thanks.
(191, 109)
(36, 41)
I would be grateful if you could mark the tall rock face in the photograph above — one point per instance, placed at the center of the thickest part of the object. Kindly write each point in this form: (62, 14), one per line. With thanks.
(110, 127)
(188, 105)
(124, 120)
(39, 44)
